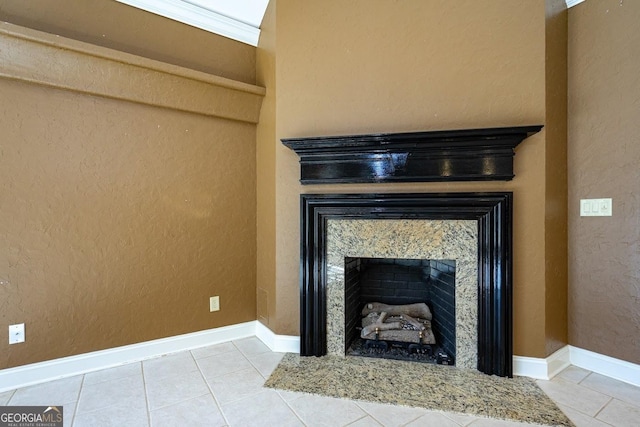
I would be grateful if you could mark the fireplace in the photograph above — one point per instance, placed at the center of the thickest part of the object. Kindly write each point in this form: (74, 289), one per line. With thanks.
(469, 230)
(473, 230)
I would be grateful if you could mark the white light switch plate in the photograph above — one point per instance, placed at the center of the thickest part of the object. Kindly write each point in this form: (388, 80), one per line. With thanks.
(596, 207)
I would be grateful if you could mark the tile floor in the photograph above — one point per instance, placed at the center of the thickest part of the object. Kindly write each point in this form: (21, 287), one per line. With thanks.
(221, 385)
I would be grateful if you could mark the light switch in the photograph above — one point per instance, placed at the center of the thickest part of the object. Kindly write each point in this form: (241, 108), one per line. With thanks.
(596, 207)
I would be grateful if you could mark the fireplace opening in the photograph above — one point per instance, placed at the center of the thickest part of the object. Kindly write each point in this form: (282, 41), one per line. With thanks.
(412, 300)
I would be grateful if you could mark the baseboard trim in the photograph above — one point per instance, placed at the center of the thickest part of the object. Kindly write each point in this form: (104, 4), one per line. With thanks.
(547, 368)
(49, 370)
(543, 369)
(35, 373)
(277, 343)
(613, 368)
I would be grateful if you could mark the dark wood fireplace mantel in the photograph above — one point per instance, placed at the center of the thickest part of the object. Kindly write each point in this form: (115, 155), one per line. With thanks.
(450, 155)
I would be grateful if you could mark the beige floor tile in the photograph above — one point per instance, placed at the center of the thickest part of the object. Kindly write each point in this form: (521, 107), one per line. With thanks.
(199, 353)
(289, 396)
(573, 374)
(52, 393)
(132, 413)
(236, 385)
(389, 415)
(222, 364)
(168, 366)
(251, 346)
(620, 414)
(460, 419)
(580, 419)
(486, 422)
(263, 409)
(123, 371)
(200, 411)
(365, 422)
(318, 411)
(575, 396)
(178, 389)
(433, 419)
(4, 397)
(171, 390)
(127, 392)
(614, 388)
(68, 411)
(265, 363)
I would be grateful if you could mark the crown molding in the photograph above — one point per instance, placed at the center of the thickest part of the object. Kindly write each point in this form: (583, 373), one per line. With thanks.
(571, 3)
(199, 17)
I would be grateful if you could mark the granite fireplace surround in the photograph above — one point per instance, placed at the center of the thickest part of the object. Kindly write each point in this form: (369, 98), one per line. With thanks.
(474, 229)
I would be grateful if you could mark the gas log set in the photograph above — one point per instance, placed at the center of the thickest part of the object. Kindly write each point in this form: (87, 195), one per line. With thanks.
(399, 330)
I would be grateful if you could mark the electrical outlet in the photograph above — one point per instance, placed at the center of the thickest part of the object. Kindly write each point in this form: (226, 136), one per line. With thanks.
(16, 333)
(214, 303)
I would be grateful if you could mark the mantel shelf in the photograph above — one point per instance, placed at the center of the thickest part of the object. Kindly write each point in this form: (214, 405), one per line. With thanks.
(450, 155)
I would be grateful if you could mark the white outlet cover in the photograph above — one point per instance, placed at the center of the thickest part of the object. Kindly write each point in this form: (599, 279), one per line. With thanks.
(214, 304)
(16, 333)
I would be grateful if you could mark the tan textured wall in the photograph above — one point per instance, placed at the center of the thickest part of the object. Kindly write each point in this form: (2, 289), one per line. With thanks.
(118, 26)
(266, 169)
(120, 220)
(556, 176)
(604, 159)
(378, 66)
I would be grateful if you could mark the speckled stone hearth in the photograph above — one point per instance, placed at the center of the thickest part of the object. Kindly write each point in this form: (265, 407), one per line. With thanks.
(433, 387)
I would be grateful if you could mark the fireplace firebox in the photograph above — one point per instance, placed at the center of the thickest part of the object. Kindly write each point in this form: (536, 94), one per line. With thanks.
(422, 294)
(479, 222)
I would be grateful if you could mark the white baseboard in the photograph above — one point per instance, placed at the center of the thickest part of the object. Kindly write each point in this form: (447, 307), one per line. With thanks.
(277, 343)
(545, 369)
(22, 376)
(542, 369)
(605, 365)
(35, 373)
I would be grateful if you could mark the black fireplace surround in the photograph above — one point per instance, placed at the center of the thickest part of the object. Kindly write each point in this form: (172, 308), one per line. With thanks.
(449, 155)
(493, 213)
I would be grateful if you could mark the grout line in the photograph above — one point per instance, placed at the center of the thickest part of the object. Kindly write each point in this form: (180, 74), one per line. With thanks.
(146, 396)
(13, 393)
(604, 406)
(377, 420)
(292, 409)
(213, 395)
(366, 414)
(75, 407)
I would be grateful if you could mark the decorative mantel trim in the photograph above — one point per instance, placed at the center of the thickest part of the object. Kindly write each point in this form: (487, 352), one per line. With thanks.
(493, 211)
(39, 58)
(450, 155)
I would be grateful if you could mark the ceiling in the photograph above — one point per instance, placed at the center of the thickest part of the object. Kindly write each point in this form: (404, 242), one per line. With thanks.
(236, 19)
